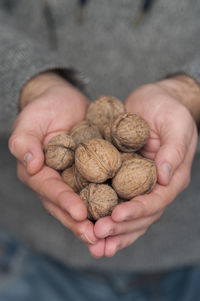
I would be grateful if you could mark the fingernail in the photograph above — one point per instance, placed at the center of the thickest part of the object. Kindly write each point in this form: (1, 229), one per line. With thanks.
(86, 239)
(166, 170)
(27, 158)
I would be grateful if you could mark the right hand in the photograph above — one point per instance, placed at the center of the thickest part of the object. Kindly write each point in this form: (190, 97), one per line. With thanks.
(50, 106)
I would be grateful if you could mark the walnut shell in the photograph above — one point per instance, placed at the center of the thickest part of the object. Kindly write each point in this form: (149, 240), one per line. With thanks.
(97, 160)
(59, 152)
(104, 110)
(129, 132)
(100, 200)
(68, 177)
(81, 182)
(74, 179)
(84, 131)
(135, 177)
(128, 156)
(107, 132)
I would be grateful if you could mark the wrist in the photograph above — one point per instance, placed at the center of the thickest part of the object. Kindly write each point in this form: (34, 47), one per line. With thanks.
(38, 85)
(186, 90)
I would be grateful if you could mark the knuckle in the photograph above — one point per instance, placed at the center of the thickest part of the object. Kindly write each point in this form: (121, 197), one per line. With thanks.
(142, 208)
(114, 231)
(82, 228)
(185, 177)
(158, 217)
(13, 143)
(78, 231)
(179, 149)
(42, 185)
(61, 200)
(117, 244)
(48, 208)
(39, 188)
(21, 174)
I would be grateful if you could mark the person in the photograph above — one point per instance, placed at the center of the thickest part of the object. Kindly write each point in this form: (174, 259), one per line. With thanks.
(42, 45)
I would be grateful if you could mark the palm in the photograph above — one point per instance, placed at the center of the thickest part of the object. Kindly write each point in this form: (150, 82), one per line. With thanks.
(56, 111)
(52, 112)
(172, 145)
(168, 120)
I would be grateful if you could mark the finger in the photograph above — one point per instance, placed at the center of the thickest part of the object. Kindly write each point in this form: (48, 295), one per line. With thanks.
(83, 230)
(26, 141)
(97, 249)
(142, 206)
(27, 148)
(174, 147)
(151, 147)
(49, 184)
(118, 242)
(160, 197)
(105, 227)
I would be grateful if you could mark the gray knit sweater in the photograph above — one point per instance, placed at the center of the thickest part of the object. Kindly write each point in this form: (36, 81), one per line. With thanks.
(115, 56)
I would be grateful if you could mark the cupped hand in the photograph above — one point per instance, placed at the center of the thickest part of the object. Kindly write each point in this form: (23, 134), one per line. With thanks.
(172, 145)
(50, 106)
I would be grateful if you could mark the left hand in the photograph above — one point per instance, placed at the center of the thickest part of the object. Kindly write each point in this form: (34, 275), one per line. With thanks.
(172, 145)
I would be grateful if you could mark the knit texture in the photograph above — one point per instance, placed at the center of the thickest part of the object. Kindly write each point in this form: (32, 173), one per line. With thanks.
(116, 56)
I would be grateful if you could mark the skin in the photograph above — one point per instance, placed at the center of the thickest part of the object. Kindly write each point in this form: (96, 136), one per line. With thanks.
(172, 144)
(53, 106)
(171, 108)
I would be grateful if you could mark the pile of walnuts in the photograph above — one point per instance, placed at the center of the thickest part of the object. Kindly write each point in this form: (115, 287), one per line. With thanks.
(98, 160)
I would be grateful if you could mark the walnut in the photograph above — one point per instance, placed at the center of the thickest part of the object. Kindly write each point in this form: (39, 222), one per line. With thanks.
(128, 156)
(129, 132)
(68, 177)
(97, 160)
(59, 152)
(74, 179)
(104, 110)
(107, 132)
(135, 177)
(84, 131)
(100, 200)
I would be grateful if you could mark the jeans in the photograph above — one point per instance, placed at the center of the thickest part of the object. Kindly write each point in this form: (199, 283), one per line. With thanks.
(27, 276)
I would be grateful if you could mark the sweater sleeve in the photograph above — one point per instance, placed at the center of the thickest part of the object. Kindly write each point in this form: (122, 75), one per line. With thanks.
(20, 60)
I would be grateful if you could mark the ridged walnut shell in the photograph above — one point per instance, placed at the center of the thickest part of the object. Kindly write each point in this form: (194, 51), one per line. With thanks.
(74, 179)
(107, 132)
(135, 177)
(100, 200)
(83, 132)
(104, 110)
(128, 156)
(59, 152)
(97, 160)
(129, 132)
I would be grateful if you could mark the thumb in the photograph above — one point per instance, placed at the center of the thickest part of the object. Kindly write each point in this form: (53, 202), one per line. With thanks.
(169, 157)
(27, 149)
